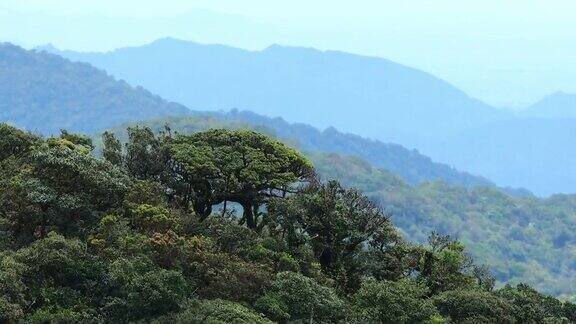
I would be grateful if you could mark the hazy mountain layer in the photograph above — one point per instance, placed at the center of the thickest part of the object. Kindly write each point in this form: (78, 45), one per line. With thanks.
(411, 166)
(533, 153)
(407, 106)
(367, 96)
(43, 93)
(364, 95)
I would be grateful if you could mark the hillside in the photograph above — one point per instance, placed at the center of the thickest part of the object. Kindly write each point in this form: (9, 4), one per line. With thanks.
(369, 96)
(521, 237)
(43, 93)
(532, 153)
(491, 222)
(131, 237)
(524, 239)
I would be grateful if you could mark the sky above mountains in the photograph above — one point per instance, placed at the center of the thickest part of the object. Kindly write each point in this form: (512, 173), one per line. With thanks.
(507, 53)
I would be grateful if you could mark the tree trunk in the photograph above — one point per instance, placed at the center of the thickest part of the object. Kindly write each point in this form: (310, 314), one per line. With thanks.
(224, 209)
(203, 211)
(248, 215)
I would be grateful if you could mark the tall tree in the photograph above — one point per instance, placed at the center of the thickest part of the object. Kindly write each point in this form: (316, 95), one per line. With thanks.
(145, 155)
(340, 224)
(112, 149)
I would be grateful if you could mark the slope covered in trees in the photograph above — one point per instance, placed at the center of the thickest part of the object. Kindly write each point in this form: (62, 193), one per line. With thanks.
(523, 238)
(43, 93)
(127, 238)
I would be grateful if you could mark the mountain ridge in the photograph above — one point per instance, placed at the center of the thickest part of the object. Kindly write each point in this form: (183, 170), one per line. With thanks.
(346, 89)
(404, 105)
(44, 92)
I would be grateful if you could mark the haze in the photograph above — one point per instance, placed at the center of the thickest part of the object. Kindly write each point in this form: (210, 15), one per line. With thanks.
(507, 53)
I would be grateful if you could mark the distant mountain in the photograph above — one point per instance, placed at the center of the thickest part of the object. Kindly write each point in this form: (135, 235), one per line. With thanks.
(534, 153)
(557, 105)
(369, 96)
(43, 93)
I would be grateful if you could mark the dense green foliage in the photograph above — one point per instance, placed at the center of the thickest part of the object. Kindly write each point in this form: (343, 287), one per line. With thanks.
(124, 239)
(522, 238)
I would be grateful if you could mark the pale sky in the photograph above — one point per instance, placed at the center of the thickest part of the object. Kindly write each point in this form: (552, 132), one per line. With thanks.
(505, 52)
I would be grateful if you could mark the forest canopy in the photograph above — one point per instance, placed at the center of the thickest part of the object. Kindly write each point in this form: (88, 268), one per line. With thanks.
(524, 239)
(220, 226)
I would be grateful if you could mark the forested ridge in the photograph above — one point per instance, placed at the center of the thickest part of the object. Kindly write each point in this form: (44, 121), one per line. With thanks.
(523, 238)
(193, 223)
(153, 232)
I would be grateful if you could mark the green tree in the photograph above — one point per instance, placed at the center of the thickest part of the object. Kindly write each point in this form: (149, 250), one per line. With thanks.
(61, 187)
(15, 142)
(296, 297)
(401, 301)
(13, 300)
(112, 149)
(530, 306)
(242, 166)
(218, 311)
(446, 266)
(77, 139)
(61, 277)
(475, 306)
(145, 154)
(339, 224)
(569, 311)
(143, 290)
(152, 219)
